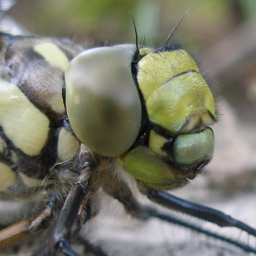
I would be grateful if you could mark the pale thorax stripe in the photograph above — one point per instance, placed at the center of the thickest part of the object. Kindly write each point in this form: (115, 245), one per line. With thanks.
(22, 122)
(67, 145)
(33, 182)
(7, 176)
(55, 57)
(2, 145)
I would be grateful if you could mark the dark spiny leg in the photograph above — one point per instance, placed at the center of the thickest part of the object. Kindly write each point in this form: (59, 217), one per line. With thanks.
(22, 229)
(199, 211)
(47, 249)
(68, 217)
(89, 247)
(202, 212)
(120, 191)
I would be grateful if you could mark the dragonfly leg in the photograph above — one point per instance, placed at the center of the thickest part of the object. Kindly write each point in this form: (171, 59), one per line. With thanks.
(22, 229)
(199, 211)
(202, 212)
(120, 191)
(89, 247)
(73, 214)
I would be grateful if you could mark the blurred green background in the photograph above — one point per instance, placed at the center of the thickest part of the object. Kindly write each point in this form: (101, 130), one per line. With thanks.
(94, 20)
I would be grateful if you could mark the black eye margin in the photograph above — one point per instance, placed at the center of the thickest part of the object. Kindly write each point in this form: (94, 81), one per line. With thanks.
(168, 48)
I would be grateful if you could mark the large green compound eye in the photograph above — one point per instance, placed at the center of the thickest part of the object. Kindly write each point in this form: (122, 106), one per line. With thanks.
(102, 101)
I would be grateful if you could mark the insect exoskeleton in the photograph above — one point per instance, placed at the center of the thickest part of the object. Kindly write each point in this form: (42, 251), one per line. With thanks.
(152, 111)
(102, 102)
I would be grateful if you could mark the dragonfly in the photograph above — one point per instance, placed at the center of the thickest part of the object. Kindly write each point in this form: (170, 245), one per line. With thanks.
(78, 122)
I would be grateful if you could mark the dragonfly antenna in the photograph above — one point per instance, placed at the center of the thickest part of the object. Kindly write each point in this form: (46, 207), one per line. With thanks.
(137, 52)
(170, 35)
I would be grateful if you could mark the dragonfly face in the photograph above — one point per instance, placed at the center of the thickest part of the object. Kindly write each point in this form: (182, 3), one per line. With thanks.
(79, 114)
(152, 114)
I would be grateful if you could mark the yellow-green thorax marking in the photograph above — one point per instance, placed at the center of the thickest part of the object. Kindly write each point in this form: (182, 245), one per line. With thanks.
(33, 131)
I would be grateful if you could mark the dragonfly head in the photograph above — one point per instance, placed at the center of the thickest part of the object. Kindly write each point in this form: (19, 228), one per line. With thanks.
(151, 112)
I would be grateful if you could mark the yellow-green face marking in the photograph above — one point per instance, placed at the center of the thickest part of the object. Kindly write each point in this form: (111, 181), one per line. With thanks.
(180, 107)
(175, 97)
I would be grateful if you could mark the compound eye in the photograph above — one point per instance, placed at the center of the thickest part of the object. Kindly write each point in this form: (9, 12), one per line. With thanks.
(102, 101)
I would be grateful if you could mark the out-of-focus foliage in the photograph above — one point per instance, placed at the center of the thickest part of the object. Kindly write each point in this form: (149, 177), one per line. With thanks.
(248, 7)
(110, 20)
